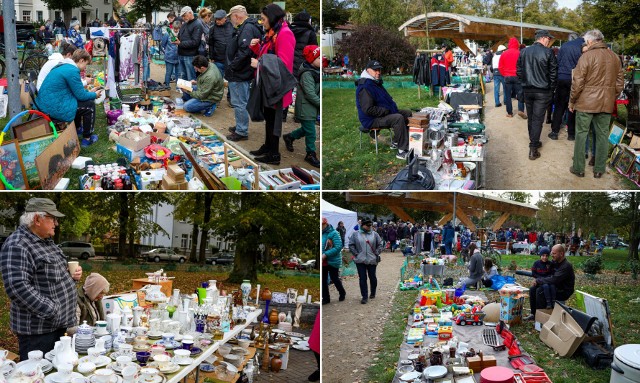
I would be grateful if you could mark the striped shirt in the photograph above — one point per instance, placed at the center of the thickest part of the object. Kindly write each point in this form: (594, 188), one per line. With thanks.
(36, 279)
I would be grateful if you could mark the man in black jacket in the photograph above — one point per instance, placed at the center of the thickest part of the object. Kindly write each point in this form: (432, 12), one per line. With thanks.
(537, 70)
(188, 43)
(238, 70)
(561, 283)
(305, 35)
(219, 36)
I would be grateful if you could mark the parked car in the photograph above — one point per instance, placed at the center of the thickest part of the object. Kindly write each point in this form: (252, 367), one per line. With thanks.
(82, 250)
(220, 259)
(158, 255)
(24, 31)
(308, 265)
(291, 263)
(620, 245)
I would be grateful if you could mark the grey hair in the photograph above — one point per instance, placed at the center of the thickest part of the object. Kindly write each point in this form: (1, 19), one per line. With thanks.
(177, 24)
(572, 36)
(27, 219)
(593, 35)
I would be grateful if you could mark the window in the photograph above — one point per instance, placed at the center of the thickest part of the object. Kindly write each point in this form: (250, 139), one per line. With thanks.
(185, 241)
(106, 1)
(56, 15)
(106, 17)
(40, 16)
(26, 15)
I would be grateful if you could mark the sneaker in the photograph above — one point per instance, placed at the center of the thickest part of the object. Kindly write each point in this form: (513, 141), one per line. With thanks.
(88, 141)
(288, 141)
(209, 112)
(236, 137)
(401, 155)
(312, 159)
(522, 115)
(364, 301)
(394, 145)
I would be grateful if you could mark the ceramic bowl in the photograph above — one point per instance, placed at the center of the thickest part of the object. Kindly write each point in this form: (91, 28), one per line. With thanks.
(86, 368)
(404, 369)
(244, 343)
(235, 360)
(224, 350)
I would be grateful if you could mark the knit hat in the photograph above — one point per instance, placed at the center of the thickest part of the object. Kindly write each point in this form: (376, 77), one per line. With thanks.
(325, 221)
(74, 23)
(501, 48)
(311, 53)
(544, 250)
(94, 285)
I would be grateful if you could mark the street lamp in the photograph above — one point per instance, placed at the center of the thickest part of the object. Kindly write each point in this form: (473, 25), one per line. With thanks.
(520, 8)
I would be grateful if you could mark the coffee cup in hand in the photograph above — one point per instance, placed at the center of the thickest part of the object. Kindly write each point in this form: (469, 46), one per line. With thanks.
(73, 265)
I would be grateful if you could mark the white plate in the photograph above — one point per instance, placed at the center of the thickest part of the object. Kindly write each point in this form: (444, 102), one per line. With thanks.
(157, 379)
(303, 343)
(49, 356)
(301, 348)
(115, 355)
(296, 334)
(51, 378)
(169, 368)
(435, 372)
(114, 379)
(45, 365)
(277, 331)
(154, 334)
(186, 362)
(409, 376)
(101, 361)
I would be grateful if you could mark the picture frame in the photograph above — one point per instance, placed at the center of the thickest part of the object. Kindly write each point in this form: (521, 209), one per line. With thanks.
(634, 175)
(616, 133)
(625, 161)
(30, 149)
(57, 158)
(277, 297)
(615, 155)
(12, 166)
(31, 129)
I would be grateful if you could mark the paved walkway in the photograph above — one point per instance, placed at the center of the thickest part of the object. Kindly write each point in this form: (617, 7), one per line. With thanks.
(508, 164)
(301, 365)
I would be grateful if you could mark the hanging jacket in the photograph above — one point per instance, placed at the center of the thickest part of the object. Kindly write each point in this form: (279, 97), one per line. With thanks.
(308, 93)
(305, 35)
(372, 100)
(422, 70)
(238, 64)
(438, 70)
(219, 37)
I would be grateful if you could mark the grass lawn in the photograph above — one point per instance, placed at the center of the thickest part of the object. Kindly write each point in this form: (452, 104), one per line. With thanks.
(618, 289)
(187, 278)
(345, 165)
(102, 152)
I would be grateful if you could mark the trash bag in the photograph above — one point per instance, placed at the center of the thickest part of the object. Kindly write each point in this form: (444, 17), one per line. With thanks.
(501, 280)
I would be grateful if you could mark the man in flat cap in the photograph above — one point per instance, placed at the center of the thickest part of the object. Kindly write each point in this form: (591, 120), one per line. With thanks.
(188, 42)
(37, 280)
(537, 70)
(376, 108)
(219, 37)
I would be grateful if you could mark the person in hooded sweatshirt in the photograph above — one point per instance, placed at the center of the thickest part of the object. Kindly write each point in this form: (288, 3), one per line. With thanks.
(366, 246)
(305, 35)
(498, 78)
(507, 67)
(331, 262)
(376, 108)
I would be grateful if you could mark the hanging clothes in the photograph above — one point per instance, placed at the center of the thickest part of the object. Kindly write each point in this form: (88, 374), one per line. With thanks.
(438, 70)
(422, 70)
(428, 237)
(127, 56)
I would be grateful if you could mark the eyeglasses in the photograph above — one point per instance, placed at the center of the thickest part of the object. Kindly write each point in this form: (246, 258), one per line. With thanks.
(54, 219)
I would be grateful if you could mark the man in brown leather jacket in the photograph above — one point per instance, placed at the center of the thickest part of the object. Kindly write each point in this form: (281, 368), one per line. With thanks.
(597, 81)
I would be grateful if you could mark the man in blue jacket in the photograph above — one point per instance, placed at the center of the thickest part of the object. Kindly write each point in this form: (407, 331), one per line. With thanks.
(448, 234)
(376, 108)
(568, 57)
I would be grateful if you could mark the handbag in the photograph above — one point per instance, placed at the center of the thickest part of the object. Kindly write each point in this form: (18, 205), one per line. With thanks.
(254, 105)
(378, 258)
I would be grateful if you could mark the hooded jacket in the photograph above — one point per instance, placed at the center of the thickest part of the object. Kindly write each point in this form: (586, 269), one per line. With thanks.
(190, 35)
(334, 254)
(219, 37)
(238, 66)
(495, 61)
(364, 252)
(568, 57)
(509, 58)
(597, 80)
(305, 35)
(537, 68)
(372, 100)
(308, 94)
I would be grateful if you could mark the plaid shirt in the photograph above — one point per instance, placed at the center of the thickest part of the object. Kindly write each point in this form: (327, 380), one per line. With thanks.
(35, 275)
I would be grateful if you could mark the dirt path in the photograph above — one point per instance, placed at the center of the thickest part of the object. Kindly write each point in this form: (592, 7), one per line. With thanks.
(350, 330)
(508, 164)
(224, 117)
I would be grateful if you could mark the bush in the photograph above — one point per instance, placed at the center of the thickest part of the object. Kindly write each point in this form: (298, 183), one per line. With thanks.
(593, 265)
(635, 269)
(622, 268)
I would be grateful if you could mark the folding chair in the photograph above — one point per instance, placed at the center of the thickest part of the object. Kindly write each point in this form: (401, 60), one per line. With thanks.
(376, 133)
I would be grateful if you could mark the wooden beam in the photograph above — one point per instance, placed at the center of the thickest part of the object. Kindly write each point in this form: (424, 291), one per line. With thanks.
(500, 221)
(445, 219)
(460, 43)
(504, 41)
(465, 219)
(401, 213)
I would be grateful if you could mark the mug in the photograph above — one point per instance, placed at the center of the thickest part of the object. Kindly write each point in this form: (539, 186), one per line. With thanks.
(436, 358)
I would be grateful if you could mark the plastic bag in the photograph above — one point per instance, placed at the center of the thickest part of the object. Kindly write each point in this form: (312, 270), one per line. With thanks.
(501, 280)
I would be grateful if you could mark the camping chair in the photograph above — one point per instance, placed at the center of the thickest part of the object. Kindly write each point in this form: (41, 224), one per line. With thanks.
(376, 134)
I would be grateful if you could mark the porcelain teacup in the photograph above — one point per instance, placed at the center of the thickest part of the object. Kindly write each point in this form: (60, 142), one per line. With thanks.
(129, 373)
(140, 331)
(94, 353)
(64, 371)
(123, 360)
(149, 374)
(126, 349)
(168, 338)
(181, 356)
(157, 349)
(162, 360)
(187, 344)
(104, 375)
(34, 355)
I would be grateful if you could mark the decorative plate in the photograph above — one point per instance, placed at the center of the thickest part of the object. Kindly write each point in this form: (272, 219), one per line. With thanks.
(160, 378)
(101, 361)
(296, 334)
(170, 368)
(168, 346)
(115, 355)
(55, 377)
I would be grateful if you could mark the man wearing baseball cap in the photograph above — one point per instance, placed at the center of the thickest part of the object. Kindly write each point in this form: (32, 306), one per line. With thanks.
(376, 108)
(219, 37)
(307, 104)
(188, 42)
(37, 281)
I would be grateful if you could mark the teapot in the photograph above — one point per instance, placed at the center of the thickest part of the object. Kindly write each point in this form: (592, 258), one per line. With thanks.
(65, 352)
(6, 366)
(154, 294)
(30, 372)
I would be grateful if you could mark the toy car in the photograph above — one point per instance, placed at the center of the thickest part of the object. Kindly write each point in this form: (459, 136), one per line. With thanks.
(474, 319)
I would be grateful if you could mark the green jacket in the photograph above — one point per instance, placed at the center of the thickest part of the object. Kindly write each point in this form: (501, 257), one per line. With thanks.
(210, 85)
(308, 94)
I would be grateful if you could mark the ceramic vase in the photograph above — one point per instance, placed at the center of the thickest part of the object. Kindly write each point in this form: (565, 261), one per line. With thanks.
(246, 290)
(276, 363)
(273, 317)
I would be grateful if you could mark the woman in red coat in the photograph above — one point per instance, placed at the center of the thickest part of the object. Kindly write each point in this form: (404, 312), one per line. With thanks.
(314, 345)
(278, 40)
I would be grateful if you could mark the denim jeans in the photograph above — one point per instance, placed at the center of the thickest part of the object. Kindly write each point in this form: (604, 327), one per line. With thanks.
(221, 67)
(239, 97)
(448, 248)
(193, 105)
(512, 84)
(171, 69)
(187, 72)
(363, 270)
(498, 81)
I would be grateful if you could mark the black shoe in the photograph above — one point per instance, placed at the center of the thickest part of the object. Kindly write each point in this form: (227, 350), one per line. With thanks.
(326, 302)
(575, 172)
(269, 158)
(364, 301)
(315, 377)
(571, 138)
(236, 137)
(341, 298)
(548, 122)
(232, 129)
(312, 159)
(553, 136)
(263, 150)
(498, 105)
(529, 318)
(534, 154)
(288, 141)
(372, 296)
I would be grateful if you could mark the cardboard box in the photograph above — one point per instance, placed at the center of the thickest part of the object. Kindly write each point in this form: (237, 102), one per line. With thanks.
(419, 121)
(134, 140)
(480, 362)
(168, 183)
(512, 303)
(417, 140)
(542, 317)
(128, 153)
(561, 332)
(120, 301)
(175, 172)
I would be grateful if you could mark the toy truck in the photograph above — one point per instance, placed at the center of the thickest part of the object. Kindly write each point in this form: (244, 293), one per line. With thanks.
(468, 318)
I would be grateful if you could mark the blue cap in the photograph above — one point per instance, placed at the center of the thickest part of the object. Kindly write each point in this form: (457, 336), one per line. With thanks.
(544, 250)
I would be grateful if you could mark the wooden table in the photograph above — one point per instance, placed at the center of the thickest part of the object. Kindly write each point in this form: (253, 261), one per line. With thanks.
(167, 286)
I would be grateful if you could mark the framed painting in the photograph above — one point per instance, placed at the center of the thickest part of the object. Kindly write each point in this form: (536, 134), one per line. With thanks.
(31, 129)
(57, 158)
(635, 173)
(12, 166)
(616, 133)
(30, 150)
(277, 297)
(625, 161)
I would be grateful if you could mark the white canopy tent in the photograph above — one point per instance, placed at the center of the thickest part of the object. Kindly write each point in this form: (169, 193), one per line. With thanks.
(335, 214)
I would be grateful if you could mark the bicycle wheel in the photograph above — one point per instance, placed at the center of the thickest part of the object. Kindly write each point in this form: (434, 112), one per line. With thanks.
(33, 63)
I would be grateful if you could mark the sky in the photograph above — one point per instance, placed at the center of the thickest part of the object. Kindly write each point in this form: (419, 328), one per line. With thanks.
(569, 3)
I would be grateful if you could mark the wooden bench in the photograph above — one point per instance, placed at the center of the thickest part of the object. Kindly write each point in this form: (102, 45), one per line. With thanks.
(501, 247)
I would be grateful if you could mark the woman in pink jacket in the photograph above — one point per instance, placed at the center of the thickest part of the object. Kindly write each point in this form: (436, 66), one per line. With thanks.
(278, 40)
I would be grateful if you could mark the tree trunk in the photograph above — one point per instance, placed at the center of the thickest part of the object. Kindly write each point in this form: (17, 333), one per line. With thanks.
(67, 14)
(123, 219)
(204, 234)
(132, 225)
(196, 229)
(634, 238)
(244, 267)
(247, 244)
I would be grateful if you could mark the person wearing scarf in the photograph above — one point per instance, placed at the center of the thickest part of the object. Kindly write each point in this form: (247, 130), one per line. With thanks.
(90, 300)
(278, 40)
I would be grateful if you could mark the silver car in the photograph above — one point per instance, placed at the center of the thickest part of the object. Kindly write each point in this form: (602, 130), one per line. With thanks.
(158, 255)
(82, 250)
